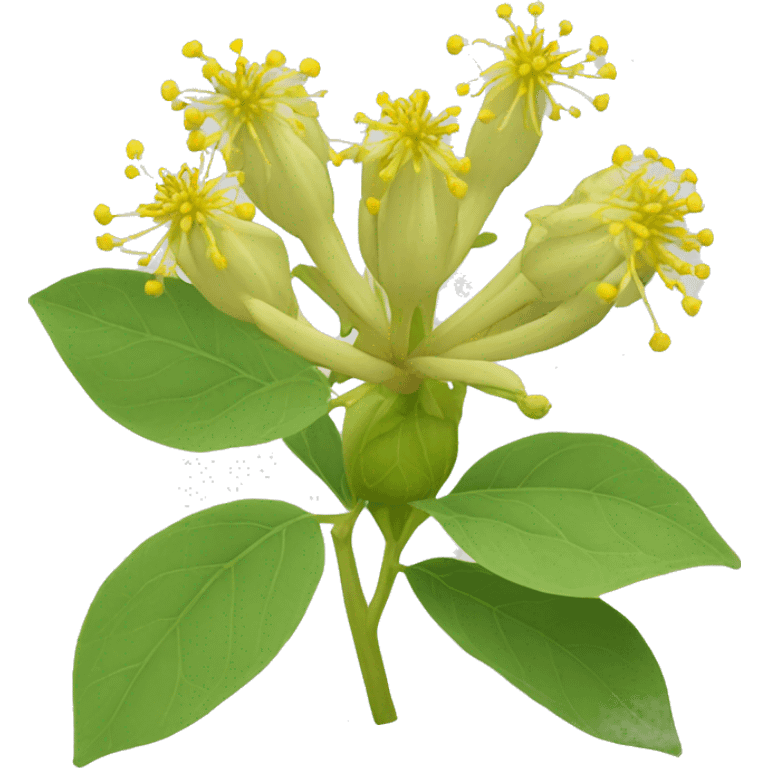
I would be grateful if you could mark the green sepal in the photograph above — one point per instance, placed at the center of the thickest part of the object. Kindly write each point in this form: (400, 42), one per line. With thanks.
(400, 447)
(483, 239)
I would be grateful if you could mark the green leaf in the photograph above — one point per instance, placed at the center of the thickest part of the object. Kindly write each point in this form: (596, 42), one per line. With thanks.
(578, 657)
(319, 447)
(576, 514)
(173, 368)
(188, 618)
(483, 239)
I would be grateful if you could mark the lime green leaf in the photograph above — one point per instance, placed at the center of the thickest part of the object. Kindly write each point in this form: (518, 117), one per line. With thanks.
(483, 239)
(576, 514)
(578, 657)
(319, 447)
(188, 618)
(173, 368)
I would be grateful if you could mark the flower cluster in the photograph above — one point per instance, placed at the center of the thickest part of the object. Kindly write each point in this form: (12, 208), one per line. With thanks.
(421, 209)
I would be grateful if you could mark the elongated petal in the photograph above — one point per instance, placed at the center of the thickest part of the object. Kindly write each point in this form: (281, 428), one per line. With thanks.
(567, 321)
(472, 372)
(317, 347)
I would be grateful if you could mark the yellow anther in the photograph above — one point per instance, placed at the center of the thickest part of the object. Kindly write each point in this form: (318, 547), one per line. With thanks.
(691, 305)
(192, 49)
(706, 237)
(536, 9)
(524, 69)
(245, 211)
(606, 291)
(134, 149)
(701, 271)
(373, 205)
(131, 171)
(381, 99)
(465, 164)
(103, 214)
(599, 45)
(153, 288)
(575, 111)
(453, 111)
(485, 116)
(539, 63)
(667, 163)
(457, 187)
(236, 46)
(193, 118)
(196, 141)
(615, 228)
(621, 154)
(462, 89)
(638, 229)
(455, 44)
(652, 207)
(659, 342)
(504, 11)
(275, 58)
(601, 102)
(607, 71)
(144, 260)
(694, 202)
(565, 28)
(650, 153)
(309, 67)
(689, 175)
(106, 242)
(218, 259)
(177, 104)
(169, 90)
(210, 69)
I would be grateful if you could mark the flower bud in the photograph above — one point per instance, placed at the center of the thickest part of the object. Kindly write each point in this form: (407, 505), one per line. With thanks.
(267, 127)
(508, 127)
(619, 227)
(410, 196)
(399, 448)
(210, 237)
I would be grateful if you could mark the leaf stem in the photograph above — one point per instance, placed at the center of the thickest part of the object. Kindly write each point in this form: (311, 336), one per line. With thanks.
(363, 634)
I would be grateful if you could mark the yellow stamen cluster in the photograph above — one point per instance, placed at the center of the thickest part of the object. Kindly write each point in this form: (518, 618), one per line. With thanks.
(410, 134)
(531, 67)
(182, 200)
(644, 215)
(253, 94)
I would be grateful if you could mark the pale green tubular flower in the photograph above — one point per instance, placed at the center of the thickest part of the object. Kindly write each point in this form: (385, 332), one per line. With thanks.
(409, 200)
(596, 250)
(265, 123)
(508, 127)
(211, 237)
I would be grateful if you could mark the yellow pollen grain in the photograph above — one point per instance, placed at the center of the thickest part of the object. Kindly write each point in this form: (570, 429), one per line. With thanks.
(565, 28)
(455, 44)
(621, 154)
(275, 58)
(694, 202)
(131, 171)
(598, 45)
(504, 11)
(169, 90)
(462, 89)
(309, 67)
(373, 205)
(153, 288)
(192, 49)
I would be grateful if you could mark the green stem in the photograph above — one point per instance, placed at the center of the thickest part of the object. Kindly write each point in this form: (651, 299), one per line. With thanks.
(365, 640)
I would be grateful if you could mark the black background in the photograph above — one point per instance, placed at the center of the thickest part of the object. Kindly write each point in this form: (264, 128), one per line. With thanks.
(117, 489)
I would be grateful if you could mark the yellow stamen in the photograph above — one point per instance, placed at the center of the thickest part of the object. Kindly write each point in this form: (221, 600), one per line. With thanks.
(643, 215)
(530, 67)
(410, 134)
(252, 94)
